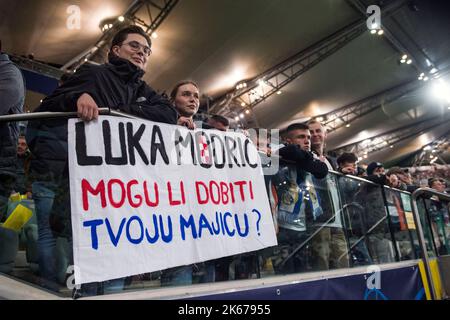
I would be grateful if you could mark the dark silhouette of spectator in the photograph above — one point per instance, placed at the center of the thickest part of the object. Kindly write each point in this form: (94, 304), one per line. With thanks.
(12, 96)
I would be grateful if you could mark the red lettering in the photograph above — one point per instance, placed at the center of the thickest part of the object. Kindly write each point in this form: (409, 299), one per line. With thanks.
(171, 201)
(137, 197)
(110, 193)
(147, 198)
(232, 193)
(211, 192)
(251, 190)
(86, 187)
(205, 188)
(224, 190)
(183, 197)
(241, 184)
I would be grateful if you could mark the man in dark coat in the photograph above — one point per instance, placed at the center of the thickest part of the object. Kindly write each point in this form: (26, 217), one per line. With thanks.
(116, 85)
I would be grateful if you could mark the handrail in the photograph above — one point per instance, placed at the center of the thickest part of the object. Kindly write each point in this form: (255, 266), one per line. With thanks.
(55, 115)
(415, 195)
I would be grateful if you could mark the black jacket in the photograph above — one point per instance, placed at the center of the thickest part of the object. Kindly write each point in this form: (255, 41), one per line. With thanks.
(304, 160)
(116, 85)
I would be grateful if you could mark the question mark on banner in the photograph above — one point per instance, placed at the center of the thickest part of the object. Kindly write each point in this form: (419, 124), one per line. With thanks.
(259, 219)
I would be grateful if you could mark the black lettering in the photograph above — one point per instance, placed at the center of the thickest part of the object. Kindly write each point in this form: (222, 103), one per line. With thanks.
(158, 146)
(109, 159)
(188, 140)
(252, 165)
(81, 149)
(133, 143)
(230, 151)
(214, 148)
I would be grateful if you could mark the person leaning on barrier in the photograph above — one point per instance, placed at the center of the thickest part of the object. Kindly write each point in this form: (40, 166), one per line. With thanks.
(185, 98)
(118, 85)
(330, 244)
(12, 96)
(370, 196)
(297, 200)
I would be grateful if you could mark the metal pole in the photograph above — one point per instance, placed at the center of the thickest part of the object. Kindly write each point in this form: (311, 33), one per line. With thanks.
(56, 115)
(421, 238)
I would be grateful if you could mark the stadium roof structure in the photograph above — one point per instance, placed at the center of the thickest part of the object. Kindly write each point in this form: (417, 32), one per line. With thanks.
(283, 61)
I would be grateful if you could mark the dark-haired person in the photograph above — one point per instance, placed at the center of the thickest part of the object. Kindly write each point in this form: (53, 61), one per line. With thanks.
(218, 122)
(347, 163)
(117, 85)
(298, 206)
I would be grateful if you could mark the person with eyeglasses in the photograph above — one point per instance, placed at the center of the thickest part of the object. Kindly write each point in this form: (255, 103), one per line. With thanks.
(117, 85)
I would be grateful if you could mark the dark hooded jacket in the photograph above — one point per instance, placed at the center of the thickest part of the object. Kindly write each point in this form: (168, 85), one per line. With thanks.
(116, 85)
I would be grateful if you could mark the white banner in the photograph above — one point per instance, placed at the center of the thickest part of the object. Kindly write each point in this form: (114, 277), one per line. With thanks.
(147, 196)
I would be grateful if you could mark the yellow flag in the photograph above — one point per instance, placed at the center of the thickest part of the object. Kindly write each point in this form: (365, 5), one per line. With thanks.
(18, 218)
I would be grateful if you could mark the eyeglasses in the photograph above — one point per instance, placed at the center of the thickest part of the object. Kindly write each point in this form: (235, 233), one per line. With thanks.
(135, 46)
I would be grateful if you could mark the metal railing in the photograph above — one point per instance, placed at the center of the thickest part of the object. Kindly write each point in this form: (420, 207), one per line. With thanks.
(55, 115)
(415, 195)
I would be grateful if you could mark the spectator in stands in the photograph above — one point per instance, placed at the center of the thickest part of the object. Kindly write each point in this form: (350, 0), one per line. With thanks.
(378, 237)
(185, 97)
(439, 214)
(12, 96)
(437, 184)
(347, 163)
(294, 185)
(352, 208)
(329, 245)
(118, 85)
(404, 178)
(218, 122)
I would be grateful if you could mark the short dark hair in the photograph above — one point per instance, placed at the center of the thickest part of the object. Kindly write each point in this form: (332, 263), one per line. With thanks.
(120, 37)
(346, 157)
(221, 119)
(174, 91)
(296, 126)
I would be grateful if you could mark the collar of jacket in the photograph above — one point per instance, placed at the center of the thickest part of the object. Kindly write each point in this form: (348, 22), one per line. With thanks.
(125, 69)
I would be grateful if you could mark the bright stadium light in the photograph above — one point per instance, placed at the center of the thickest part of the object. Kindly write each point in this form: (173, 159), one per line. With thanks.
(441, 90)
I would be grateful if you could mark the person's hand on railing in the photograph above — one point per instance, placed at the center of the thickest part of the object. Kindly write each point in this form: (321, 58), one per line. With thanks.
(186, 122)
(87, 109)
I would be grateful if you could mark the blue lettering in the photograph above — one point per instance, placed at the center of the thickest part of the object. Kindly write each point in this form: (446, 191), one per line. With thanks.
(138, 240)
(227, 214)
(93, 224)
(203, 223)
(166, 238)
(114, 238)
(187, 224)
(236, 219)
(218, 225)
(156, 237)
